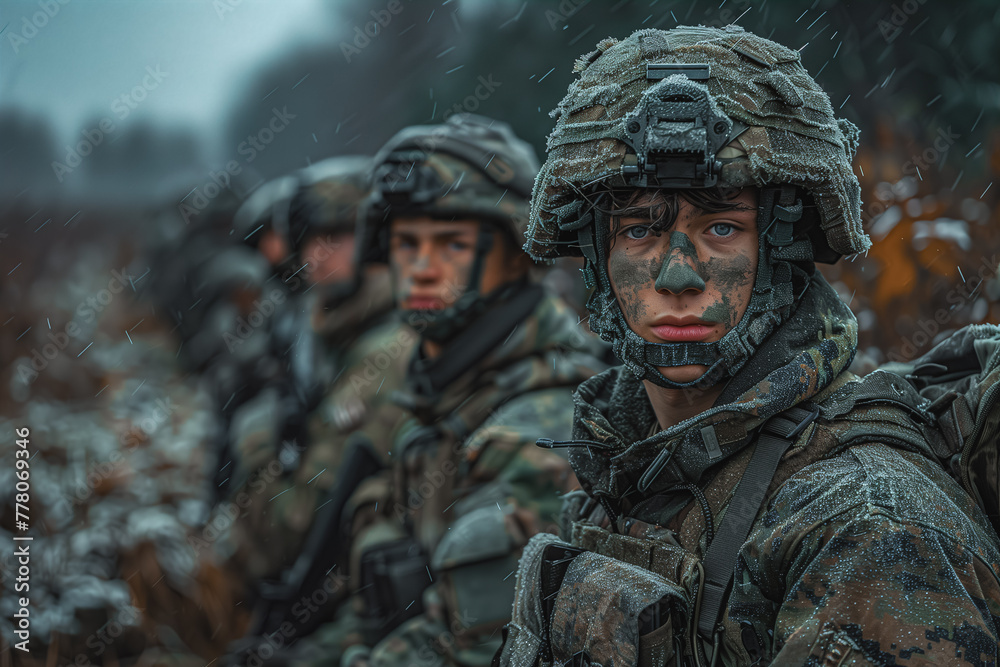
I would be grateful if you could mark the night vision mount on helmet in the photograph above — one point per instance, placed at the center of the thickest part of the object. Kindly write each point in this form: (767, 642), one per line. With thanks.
(695, 108)
(677, 130)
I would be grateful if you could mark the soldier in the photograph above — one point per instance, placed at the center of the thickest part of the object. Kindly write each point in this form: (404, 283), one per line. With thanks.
(336, 312)
(701, 173)
(496, 364)
(262, 220)
(289, 444)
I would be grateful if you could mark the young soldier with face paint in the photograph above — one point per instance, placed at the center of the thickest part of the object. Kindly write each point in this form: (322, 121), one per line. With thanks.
(289, 441)
(746, 499)
(683, 273)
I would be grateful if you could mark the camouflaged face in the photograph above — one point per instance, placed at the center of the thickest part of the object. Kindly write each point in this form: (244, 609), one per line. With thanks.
(793, 136)
(800, 359)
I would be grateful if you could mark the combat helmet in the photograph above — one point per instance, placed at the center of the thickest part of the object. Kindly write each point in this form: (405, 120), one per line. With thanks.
(264, 210)
(470, 167)
(327, 196)
(699, 107)
(325, 200)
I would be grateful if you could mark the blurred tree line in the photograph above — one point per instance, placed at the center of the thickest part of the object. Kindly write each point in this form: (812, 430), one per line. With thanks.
(917, 77)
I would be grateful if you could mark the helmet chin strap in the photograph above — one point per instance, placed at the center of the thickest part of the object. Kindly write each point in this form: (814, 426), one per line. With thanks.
(650, 357)
(772, 292)
(440, 326)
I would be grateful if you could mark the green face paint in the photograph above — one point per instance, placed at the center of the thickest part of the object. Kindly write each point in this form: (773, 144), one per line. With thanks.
(723, 283)
(631, 278)
(729, 277)
(676, 274)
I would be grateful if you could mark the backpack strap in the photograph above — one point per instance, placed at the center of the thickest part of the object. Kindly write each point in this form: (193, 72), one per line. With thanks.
(776, 436)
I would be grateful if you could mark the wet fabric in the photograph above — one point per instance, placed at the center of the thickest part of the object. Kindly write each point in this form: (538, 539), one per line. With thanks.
(480, 457)
(599, 607)
(793, 136)
(866, 550)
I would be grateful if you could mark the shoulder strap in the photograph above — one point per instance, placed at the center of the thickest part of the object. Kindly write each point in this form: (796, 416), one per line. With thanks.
(776, 436)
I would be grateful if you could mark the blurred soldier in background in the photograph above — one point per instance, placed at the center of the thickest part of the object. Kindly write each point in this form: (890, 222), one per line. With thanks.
(225, 302)
(497, 361)
(288, 442)
(261, 221)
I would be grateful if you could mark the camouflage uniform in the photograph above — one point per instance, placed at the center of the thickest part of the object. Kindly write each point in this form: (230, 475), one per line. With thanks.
(480, 488)
(467, 486)
(224, 302)
(850, 558)
(347, 342)
(369, 369)
(866, 551)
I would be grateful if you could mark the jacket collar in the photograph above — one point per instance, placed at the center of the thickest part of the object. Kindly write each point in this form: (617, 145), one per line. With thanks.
(548, 348)
(792, 366)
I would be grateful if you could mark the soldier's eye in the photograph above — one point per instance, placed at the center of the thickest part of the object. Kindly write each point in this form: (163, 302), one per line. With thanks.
(637, 232)
(723, 229)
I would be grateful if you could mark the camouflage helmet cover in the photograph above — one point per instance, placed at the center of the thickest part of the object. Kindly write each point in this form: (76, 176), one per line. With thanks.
(792, 136)
(469, 167)
(330, 192)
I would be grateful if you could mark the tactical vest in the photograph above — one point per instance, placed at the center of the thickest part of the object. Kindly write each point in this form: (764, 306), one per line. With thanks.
(472, 421)
(639, 594)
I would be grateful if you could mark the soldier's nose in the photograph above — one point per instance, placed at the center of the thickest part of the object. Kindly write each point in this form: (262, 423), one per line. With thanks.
(424, 269)
(677, 273)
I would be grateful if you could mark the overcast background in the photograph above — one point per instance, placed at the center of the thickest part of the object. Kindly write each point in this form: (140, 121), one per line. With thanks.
(199, 77)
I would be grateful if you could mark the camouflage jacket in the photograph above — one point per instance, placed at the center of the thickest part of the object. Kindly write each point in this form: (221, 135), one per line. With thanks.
(486, 423)
(865, 551)
(366, 350)
(469, 483)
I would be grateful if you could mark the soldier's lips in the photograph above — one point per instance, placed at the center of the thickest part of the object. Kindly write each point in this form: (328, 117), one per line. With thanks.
(687, 333)
(423, 303)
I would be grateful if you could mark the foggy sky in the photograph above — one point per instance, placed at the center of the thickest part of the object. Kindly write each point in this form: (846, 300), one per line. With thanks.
(88, 54)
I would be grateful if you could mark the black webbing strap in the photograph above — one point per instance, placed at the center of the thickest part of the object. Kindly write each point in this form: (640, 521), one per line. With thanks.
(472, 345)
(776, 436)
(323, 548)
